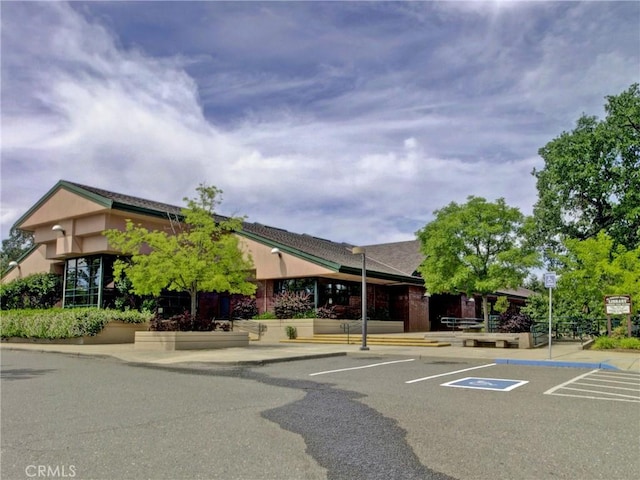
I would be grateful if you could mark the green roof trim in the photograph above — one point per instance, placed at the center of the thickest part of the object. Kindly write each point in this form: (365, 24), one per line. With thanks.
(292, 251)
(384, 276)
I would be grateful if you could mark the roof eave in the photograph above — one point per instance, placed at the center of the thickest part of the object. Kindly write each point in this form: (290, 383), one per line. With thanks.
(399, 279)
(291, 251)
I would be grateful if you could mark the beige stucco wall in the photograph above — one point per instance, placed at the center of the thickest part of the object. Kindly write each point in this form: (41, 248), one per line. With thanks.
(61, 201)
(269, 265)
(36, 262)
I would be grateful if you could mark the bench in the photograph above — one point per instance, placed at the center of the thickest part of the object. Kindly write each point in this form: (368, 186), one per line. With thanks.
(498, 342)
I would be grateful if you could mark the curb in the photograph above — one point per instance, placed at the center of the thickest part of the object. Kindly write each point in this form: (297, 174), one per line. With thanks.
(265, 361)
(59, 352)
(555, 363)
(238, 363)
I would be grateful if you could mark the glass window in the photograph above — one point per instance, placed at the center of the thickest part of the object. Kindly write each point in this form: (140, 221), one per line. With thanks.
(83, 282)
(303, 285)
(306, 285)
(337, 293)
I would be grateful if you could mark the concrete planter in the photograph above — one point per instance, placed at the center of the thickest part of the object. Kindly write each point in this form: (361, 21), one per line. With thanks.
(116, 332)
(307, 327)
(189, 340)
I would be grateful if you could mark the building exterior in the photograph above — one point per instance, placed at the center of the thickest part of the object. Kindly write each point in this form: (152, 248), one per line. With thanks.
(69, 220)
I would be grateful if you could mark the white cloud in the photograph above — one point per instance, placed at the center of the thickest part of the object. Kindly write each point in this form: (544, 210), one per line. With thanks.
(361, 146)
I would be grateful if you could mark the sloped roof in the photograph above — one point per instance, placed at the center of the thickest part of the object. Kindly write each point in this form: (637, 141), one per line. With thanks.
(382, 261)
(404, 256)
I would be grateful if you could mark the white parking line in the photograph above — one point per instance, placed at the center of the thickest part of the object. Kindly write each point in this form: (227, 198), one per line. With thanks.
(590, 397)
(602, 387)
(361, 367)
(569, 382)
(608, 386)
(449, 373)
(600, 392)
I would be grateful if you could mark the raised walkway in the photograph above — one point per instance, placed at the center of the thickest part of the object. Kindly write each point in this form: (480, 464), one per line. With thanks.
(257, 353)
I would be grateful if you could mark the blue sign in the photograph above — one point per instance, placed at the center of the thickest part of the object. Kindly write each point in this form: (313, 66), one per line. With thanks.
(496, 384)
(550, 280)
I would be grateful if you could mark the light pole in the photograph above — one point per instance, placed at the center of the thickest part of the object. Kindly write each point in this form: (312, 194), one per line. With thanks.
(361, 251)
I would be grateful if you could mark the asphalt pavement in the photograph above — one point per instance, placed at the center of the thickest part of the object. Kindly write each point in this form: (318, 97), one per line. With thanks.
(561, 354)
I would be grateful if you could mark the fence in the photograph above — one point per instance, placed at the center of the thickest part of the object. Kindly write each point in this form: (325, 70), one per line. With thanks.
(563, 328)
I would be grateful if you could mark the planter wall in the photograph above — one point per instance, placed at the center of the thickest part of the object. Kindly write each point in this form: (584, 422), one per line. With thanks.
(116, 332)
(189, 340)
(307, 327)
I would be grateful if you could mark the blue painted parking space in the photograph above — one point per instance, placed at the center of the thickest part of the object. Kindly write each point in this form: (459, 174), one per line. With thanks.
(494, 384)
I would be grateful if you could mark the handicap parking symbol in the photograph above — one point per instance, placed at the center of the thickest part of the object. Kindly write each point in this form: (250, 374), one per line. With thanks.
(495, 384)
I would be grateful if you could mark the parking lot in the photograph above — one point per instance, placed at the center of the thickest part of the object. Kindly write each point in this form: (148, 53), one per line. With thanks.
(426, 374)
(473, 419)
(364, 417)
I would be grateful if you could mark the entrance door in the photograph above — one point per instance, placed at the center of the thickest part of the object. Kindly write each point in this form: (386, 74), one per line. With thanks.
(225, 306)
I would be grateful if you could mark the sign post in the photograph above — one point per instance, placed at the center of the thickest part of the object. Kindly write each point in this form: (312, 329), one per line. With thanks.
(550, 281)
(618, 305)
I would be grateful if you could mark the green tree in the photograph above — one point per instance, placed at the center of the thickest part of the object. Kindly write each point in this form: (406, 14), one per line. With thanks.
(591, 178)
(201, 255)
(18, 243)
(588, 270)
(593, 268)
(478, 247)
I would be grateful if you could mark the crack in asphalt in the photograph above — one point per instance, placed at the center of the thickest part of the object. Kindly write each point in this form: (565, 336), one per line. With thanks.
(348, 438)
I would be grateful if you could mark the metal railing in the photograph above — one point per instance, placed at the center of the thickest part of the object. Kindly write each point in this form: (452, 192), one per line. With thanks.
(250, 326)
(348, 327)
(539, 334)
(584, 328)
(454, 323)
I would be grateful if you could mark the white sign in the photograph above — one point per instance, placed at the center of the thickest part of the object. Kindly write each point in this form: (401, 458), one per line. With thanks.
(617, 304)
(550, 280)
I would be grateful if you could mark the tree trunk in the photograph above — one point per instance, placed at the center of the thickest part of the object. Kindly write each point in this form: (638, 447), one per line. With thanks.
(194, 301)
(194, 305)
(485, 312)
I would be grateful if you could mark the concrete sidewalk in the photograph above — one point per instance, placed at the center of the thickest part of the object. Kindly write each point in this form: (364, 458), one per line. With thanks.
(257, 353)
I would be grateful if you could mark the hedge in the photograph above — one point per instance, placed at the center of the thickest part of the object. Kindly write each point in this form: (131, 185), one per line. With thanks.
(40, 290)
(57, 323)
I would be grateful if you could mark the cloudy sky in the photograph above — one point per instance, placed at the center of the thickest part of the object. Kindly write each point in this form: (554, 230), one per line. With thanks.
(349, 121)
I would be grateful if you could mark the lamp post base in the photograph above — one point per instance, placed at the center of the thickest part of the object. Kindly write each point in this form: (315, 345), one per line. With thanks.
(364, 348)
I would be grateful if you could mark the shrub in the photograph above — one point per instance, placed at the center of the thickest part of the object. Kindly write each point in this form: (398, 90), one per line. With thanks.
(328, 311)
(57, 323)
(292, 305)
(604, 343)
(607, 343)
(265, 316)
(292, 332)
(619, 332)
(630, 343)
(245, 308)
(514, 322)
(184, 322)
(40, 290)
